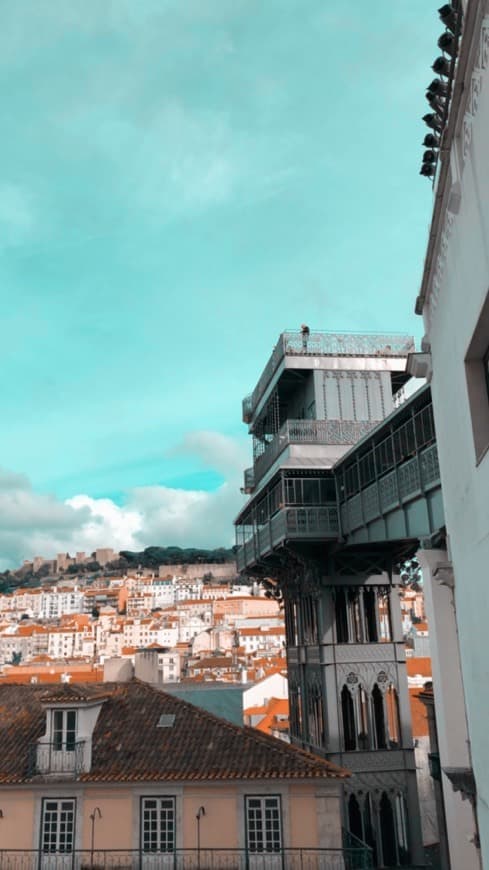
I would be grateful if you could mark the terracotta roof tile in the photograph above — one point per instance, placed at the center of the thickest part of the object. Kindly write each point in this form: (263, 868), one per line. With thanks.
(419, 665)
(419, 717)
(128, 746)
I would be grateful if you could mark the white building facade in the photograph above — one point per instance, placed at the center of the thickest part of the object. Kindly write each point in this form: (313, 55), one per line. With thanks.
(454, 303)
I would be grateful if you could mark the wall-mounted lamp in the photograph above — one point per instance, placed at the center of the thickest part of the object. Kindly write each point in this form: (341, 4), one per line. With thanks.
(200, 813)
(93, 815)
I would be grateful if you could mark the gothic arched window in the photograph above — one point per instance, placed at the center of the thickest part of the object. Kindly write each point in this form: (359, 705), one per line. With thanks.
(379, 718)
(388, 832)
(355, 823)
(393, 719)
(348, 714)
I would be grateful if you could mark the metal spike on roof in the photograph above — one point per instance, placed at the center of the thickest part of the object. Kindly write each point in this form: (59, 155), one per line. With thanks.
(166, 720)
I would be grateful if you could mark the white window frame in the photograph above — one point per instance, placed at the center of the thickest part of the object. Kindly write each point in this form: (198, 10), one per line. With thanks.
(165, 840)
(263, 835)
(63, 737)
(64, 828)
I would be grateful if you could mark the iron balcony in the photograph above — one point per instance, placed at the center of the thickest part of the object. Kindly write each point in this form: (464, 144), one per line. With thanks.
(290, 523)
(357, 858)
(327, 432)
(316, 344)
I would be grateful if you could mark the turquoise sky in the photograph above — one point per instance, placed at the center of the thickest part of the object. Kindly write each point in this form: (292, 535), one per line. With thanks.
(180, 180)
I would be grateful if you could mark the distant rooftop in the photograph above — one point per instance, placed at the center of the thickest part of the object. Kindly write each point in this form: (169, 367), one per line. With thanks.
(306, 343)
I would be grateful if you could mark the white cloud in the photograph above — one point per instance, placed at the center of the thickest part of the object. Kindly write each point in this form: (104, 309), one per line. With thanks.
(33, 524)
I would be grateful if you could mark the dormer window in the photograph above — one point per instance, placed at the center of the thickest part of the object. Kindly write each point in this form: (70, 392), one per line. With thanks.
(64, 730)
(66, 747)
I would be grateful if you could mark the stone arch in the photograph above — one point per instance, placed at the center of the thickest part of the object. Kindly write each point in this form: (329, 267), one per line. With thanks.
(387, 831)
(378, 718)
(355, 820)
(393, 717)
(348, 716)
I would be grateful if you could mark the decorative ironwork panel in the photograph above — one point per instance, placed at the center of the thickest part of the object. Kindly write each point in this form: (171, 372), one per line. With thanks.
(389, 496)
(312, 522)
(347, 344)
(409, 482)
(364, 652)
(371, 502)
(430, 469)
(380, 760)
(264, 540)
(278, 527)
(355, 516)
(326, 344)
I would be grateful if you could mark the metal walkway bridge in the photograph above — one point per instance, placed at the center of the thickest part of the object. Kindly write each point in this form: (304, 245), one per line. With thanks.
(388, 491)
(388, 484)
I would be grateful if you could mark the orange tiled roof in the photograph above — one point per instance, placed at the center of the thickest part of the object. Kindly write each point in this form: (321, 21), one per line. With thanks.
(128, 745)
(420, 665)
(419, 717)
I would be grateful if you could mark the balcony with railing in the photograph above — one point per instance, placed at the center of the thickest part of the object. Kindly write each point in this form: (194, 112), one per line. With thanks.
(352, 858)
(314, 523)
(57, 759)
(315, 344)
(330, 432)
(396, 467)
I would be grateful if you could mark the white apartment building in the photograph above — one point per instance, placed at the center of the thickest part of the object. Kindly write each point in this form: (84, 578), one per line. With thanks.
(55, 602)
(65, 643)
(454, 303)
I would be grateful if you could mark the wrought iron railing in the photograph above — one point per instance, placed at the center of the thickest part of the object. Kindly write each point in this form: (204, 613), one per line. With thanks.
(346, 432)
(351, 841)
(352, 858)
(56, 758)
(318, 523)
(390, 490)
(326, 344)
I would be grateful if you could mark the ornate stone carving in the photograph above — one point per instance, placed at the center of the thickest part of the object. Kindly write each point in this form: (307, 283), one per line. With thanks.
(362, 652)
(441, 261)
(472, 106)
(367, 674)
(475, 88)
(375, 783)
(298, 576)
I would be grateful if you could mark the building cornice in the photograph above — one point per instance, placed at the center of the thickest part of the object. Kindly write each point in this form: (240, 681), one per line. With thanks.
(473, 58)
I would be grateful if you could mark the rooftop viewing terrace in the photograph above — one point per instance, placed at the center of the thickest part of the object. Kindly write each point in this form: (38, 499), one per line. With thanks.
(333, 344)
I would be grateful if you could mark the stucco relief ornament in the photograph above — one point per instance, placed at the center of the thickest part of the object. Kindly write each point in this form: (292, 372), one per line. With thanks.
(441, 260)
(481, 64)
(483, 59)
(352, 679)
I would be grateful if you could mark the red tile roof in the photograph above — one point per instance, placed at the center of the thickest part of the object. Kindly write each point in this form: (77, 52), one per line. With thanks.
(419, 716)
(419, 666)
(128, 745)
